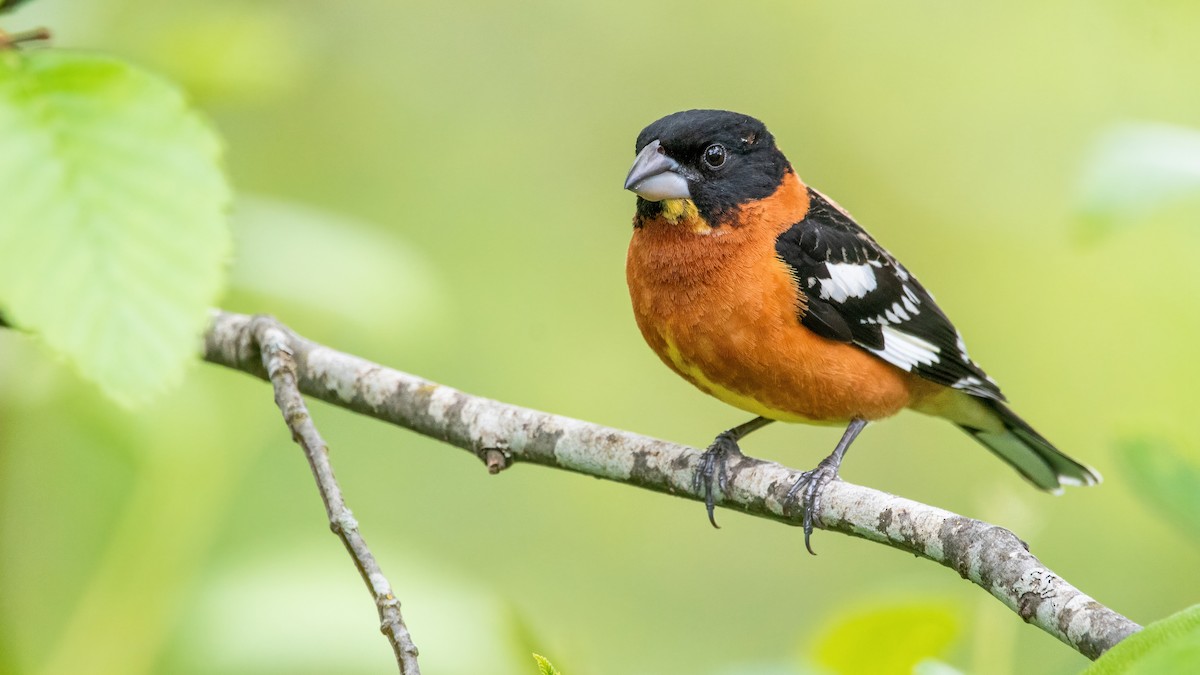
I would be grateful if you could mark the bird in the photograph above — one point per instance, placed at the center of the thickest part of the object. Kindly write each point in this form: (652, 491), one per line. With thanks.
(766, 294)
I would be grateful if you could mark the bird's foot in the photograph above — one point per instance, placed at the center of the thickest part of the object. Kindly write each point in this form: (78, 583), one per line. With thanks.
(714, 467)
(812, 483)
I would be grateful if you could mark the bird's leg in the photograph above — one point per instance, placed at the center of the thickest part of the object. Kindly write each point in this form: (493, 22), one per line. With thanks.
(814, 481)
(714, 461)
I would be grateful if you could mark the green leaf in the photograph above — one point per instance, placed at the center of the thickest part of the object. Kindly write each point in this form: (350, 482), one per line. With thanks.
(1171, 645)
(113, 235)
(887, 640)
(544, 666)
(1135, 170)
(1164, 478)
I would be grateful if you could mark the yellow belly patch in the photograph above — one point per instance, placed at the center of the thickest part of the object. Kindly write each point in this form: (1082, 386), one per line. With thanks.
(696, 376)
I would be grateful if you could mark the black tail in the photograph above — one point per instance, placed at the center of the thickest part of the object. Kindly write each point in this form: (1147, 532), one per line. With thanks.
(1029, 453)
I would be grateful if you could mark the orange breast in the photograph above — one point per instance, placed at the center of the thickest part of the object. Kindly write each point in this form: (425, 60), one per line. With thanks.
(720, 308)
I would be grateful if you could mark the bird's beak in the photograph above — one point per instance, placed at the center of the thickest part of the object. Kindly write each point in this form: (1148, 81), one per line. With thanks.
(655, 176)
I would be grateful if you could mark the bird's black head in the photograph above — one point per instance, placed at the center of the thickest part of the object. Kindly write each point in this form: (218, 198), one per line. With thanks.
(716, 158)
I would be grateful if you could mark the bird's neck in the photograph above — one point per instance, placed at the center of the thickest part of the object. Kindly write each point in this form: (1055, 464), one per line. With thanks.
(787, 205)
(783, 208)
(685, 252)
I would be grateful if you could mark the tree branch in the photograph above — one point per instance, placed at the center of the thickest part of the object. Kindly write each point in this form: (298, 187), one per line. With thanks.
(276, 360)
(499, 433)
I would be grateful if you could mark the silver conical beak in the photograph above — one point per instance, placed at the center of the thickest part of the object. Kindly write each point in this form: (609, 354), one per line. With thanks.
(655, 176)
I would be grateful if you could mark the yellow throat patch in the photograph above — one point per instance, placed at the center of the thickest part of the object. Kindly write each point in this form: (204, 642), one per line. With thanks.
(675, 211)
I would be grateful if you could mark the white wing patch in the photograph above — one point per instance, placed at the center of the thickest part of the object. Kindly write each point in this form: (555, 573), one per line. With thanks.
(899, 312)
(906, 351)
(848, 280)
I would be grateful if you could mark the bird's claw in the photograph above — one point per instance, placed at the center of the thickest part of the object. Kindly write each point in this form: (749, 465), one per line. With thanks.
(813, 483)
(714, 467)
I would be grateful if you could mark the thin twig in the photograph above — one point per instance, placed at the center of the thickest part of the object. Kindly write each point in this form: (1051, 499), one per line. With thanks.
(10, 40)
(499, 433)
(280, 367)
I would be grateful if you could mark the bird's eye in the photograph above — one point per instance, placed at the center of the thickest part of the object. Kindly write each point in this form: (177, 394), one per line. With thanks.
(714, 156)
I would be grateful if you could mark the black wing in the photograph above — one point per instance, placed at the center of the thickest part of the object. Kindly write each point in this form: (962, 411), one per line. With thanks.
(858, 293)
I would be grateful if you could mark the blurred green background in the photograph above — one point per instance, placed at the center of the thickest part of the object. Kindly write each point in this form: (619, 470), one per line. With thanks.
(445, 181)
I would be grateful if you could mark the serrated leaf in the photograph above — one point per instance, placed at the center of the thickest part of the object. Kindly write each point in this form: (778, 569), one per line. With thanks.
(1171, 645)
(544, 666)
(887, 640)
(1134, 170)
(1165, 479)
(113, 235)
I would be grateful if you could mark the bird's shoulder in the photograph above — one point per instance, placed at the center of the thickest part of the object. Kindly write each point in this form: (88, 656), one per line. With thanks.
(853, 290)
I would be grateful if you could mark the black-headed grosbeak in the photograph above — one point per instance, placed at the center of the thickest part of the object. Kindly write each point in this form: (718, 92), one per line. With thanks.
(766, 294)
